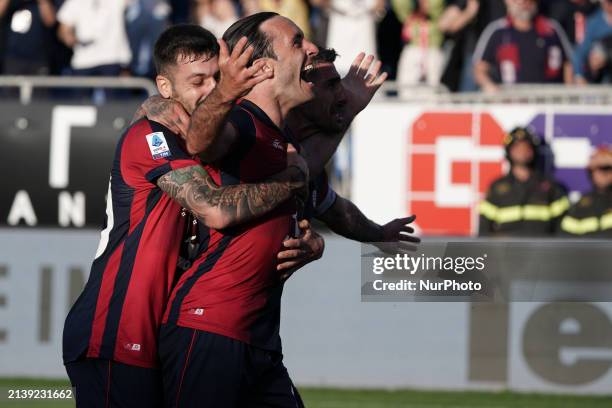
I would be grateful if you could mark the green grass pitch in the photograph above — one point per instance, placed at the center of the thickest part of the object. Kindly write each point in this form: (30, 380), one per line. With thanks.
(348, 398)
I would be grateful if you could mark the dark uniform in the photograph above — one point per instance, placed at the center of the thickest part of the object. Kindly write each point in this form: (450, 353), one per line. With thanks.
(590, 217)
(532, 208)
(515, 208)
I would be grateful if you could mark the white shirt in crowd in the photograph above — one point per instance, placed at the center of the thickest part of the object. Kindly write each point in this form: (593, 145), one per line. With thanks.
(99, 27)
(351, 30)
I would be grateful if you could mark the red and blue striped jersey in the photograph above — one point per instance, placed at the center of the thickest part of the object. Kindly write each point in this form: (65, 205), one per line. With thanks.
(233, 287)
(118, 314)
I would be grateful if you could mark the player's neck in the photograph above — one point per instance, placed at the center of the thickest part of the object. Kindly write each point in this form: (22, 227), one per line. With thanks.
(270, 106)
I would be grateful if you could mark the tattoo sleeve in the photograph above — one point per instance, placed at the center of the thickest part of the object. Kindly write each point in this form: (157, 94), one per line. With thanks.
(344, 218)
(208, 134)
(223, 206)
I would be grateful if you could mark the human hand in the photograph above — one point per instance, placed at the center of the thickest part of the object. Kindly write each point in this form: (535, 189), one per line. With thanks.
(300, 251)
(236, 78)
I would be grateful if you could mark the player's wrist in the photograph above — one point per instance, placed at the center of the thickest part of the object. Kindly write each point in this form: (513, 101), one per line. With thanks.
(225, 93)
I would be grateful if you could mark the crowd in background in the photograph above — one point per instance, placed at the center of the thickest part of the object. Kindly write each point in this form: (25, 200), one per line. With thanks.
(464, 45)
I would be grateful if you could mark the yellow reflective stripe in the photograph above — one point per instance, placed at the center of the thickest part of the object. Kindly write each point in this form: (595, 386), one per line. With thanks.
(508, 214)
(488, 210)
(559, 206)
(606, 221)
(571, 225)
(536, 213)
(530, 212)
(579, 227)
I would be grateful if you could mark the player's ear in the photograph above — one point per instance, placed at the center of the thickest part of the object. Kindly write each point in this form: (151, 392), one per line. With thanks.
(266, 65)
(164, 86)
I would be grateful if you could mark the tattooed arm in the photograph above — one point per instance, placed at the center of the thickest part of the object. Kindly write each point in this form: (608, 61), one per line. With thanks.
(223, 206)
(344, 218)
(209, 135)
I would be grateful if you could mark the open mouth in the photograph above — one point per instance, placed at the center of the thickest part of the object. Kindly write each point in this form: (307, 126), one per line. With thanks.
(306, 73)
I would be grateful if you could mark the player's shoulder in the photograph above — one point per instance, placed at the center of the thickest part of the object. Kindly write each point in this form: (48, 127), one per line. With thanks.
(145, 126)
(149, 135)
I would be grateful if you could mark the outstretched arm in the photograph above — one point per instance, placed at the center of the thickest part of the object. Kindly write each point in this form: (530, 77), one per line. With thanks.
(224, 206)
(361, 83)
(344, 218)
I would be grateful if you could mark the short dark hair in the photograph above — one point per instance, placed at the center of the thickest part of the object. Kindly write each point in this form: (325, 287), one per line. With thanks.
(325, 55)
(249, 27)
(183, 40)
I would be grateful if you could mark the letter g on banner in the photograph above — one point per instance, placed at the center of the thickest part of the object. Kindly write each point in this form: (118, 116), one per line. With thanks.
(454, 156)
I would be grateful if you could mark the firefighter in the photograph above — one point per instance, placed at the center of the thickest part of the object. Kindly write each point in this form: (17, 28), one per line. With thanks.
(525, 202)
(592, 216)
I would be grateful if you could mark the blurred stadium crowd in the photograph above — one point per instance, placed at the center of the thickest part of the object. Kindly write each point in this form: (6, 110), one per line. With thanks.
(464, 45)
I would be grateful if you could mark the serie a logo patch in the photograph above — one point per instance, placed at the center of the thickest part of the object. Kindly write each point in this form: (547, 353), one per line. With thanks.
(158, 145)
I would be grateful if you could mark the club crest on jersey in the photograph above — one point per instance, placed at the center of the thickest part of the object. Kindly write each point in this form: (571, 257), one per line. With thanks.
(158, 145)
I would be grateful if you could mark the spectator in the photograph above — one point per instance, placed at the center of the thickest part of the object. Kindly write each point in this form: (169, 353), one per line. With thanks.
(571, 15)
(145, 21)
(319, 21)
(422, 59)
(600, 61)
(522, 48)
(28, 35)
(592, 215)
(463, 28)
(352, 29)
(458, 22)
(216, 15)
(598, 27)
(95, 30)
(524, 202)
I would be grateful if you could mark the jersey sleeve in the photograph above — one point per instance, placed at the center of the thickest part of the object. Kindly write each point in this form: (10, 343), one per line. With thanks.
(148, 151)
(566, 47)
(485, 47)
